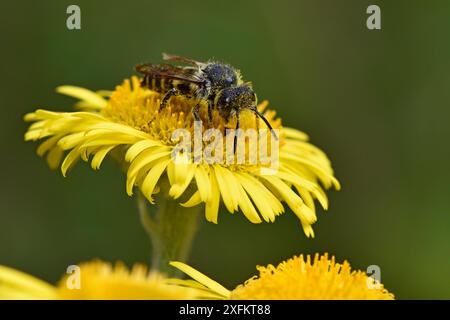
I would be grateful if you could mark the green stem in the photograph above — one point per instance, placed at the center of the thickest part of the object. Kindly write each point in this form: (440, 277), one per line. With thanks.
(171, 231)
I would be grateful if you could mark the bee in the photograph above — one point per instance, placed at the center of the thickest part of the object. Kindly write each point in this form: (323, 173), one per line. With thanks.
(219, 85)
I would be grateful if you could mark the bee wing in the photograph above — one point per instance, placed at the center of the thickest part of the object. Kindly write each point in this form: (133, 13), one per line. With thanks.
(169, 71)
(171, 57)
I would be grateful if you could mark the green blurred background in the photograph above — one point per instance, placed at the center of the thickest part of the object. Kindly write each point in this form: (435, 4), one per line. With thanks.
(376, 101)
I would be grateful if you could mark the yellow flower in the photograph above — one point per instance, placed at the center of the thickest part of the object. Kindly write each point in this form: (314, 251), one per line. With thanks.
(320, 278)
(130, 126)
(97, 281)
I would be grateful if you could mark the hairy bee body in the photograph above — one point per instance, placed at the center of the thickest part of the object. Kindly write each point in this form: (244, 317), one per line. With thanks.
(218, 84)
(164, 85)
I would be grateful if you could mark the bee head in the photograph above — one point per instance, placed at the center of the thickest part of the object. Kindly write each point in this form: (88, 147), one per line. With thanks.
(221, 75)
(237, 98)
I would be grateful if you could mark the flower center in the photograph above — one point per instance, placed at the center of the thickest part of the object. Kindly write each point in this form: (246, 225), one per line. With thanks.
(140, 108)
(100, 280)
(310, 278)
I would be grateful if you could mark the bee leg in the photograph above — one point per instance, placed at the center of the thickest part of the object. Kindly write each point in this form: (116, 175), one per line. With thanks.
(260, 115)
(257, 123)
(167, 96)
(144, 81)
(210, 107)
(236, 132)
(195, 112)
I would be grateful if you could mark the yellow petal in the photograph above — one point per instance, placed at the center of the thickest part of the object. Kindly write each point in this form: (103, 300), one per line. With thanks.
(226, 189)
(178, 189)
(300, 183)
(141, 161)
(152, 178)
(202, 292)
(243, 200)
(118, 128)
(269, 197)
(326, 177)
(99, 156)
(83, 94)
(261, 202)
(212, 206)
(193, 201)
(54, 157)
(203, 279)
(70, 160)
(117, 140)
(294, 133)
(138, 147)
(308, 230)
(70, 141)
(296, 180)
(203, 183)
(14, 283)
(47, 145)
(306, 197)
(293, 200)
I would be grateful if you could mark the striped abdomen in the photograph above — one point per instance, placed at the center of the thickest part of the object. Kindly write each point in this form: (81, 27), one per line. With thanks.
(163, 85)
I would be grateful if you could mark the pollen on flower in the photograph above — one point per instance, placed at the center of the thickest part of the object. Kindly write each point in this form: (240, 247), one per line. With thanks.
(138, 107)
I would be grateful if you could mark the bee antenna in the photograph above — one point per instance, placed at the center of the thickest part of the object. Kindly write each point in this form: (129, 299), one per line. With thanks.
(259, 114)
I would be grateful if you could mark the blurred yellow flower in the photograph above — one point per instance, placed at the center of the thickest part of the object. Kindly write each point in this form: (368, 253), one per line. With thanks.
(130, 126)
(319, 278)
(97, 281)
